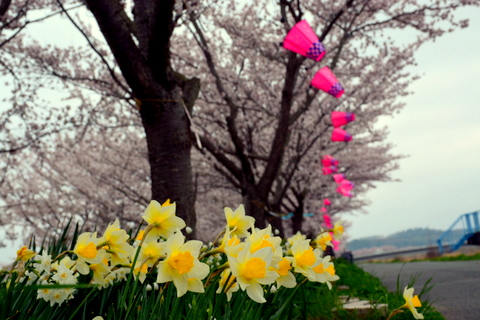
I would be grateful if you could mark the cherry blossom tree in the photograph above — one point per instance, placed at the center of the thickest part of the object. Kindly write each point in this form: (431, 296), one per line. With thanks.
(277, 126)
(258, 127)
(132, 63)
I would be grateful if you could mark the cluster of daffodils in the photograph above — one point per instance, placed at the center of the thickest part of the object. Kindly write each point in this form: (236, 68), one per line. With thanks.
(241, 258)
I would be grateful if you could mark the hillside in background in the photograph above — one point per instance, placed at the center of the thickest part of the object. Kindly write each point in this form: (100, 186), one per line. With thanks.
(409, 238)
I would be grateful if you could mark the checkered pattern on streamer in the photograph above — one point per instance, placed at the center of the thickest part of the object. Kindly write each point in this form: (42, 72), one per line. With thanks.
(315, 50)
(335, 89)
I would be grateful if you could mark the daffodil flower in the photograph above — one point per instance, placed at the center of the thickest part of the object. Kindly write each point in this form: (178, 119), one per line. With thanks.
(181, 264)
(412, 302)
(285, 277)
(25, 254)
(227, 283)
(115, 241)
(262, 238)
(140, 271)
(151, 252)
(238, 222)
(252, 270)
(161, 220)
(87, 252)
(305, 258)
(100, 270)
(338, 230)
(295, 238)
(43, 262)
(325, 272)
(64, 275)
(323, 240)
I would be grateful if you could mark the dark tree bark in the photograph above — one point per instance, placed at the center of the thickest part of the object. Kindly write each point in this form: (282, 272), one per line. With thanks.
(161, 94)
(4, 4)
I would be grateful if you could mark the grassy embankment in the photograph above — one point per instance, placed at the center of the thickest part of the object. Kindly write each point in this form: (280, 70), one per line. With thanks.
(355, 282)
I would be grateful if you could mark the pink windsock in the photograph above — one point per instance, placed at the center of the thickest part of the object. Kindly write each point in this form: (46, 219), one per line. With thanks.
(324, 210)
(302, 39)
(326, 81)
(336, 244)
(344, 192)
(341, 118)
(338, 177)
(347, 184)
(341, 135)
(329, 170)
(326, 202)
(327, 221)
(328, 160)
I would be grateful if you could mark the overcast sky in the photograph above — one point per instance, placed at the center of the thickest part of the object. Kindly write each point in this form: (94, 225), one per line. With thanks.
(440, 131)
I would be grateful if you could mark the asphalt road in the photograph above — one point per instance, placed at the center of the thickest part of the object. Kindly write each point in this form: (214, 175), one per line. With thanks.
(456, 293)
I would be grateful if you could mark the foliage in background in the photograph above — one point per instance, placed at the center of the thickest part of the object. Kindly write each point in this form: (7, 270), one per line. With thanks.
(262, 128)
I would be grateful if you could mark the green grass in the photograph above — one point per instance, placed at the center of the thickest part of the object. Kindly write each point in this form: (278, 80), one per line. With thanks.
(461, 257)
(367, 287)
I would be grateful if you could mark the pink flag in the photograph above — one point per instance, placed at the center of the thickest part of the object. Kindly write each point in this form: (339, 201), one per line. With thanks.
(338, 177)
(326, 81)
(328, 160)
(340, 135)
(346, 184)
(327, 221)
(327, 202)
(329, 170)
(344, 192)
(302, 39)
(324, 210)
(336, 244)
(341, 118)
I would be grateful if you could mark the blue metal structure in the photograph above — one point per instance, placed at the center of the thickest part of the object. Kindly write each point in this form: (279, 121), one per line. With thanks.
(461, 230)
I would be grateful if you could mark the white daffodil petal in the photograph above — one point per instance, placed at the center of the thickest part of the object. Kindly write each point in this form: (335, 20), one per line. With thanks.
(255, 292)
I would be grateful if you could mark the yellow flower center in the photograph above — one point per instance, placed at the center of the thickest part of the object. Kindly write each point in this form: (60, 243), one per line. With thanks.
(223, 279)
(319, 268)
(233, 241)
(416, 302)
(307, 258)
(233, 223)
(182, 262)
(262, 245)
(89, 251)
(140, 235)
(254, 268)
(331, 270)
(142, 269)
(283, 267)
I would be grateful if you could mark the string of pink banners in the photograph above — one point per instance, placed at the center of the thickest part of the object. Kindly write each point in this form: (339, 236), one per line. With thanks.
(302, 39)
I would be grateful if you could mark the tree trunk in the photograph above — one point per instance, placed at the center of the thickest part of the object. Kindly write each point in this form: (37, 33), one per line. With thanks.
(169, 144)
(297, 219)
(254, 206)
(257, 208)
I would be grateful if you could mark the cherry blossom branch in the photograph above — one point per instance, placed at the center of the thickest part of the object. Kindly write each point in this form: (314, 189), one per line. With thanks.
(90, 43)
